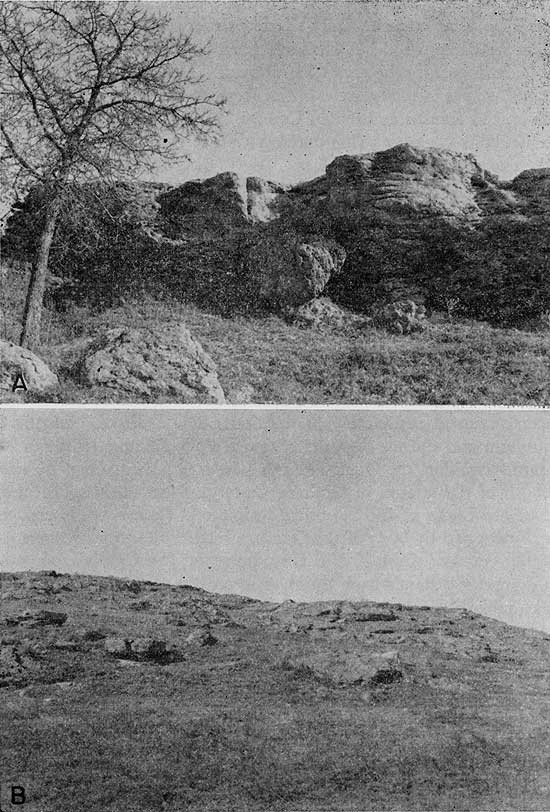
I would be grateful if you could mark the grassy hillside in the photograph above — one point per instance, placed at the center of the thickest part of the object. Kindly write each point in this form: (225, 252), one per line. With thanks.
(266, 360)
(260, 706)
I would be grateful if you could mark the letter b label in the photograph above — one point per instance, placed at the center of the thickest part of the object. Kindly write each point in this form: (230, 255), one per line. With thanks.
(17, 795)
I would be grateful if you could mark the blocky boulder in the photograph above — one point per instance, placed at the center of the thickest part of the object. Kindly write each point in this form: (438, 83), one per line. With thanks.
(289, 272)
(146, 363)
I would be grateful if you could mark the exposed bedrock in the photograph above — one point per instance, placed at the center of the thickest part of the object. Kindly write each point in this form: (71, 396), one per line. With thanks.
(379, 226)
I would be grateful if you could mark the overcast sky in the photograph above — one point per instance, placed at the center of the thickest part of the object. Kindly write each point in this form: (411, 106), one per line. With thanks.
(306, 81)
(421, 507)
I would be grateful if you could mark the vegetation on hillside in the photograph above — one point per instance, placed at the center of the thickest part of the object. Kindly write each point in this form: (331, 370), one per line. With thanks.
(91, 90)
(246, 721)
(264, 359)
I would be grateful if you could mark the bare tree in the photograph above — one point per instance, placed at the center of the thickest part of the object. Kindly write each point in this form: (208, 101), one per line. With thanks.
(91, 89)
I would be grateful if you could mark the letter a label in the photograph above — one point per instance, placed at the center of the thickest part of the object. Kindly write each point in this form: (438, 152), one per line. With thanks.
(19, 383)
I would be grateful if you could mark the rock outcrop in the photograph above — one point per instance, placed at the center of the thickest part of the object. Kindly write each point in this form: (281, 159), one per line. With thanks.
(407, 182)
(289, 272)
(262, 199)
(322, 312)
(348, 668)
(530, 192)
(381, 207)
(167, 361)
(12, 666)
(376, 227)
(361, 705)
(140, 649)
(403, 317)
(23, 369)
(198, 206)
(222, 202)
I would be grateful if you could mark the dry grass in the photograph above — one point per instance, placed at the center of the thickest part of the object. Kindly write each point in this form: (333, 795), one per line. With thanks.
(229, 727)
(266, 360)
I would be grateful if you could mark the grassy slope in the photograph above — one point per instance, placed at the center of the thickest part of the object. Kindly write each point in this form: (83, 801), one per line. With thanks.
(229, 727)
(265, 360)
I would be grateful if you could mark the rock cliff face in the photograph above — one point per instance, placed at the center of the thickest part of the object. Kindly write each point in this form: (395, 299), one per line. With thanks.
(395, 215)
(409, 183)
(403, 182)
(223, 201)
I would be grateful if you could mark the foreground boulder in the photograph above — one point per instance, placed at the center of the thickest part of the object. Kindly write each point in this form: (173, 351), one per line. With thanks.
(22, 368)
(289, 272)
(145, 363)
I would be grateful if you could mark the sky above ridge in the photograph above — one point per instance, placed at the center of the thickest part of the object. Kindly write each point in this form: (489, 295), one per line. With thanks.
(421, 507)
(306, 81)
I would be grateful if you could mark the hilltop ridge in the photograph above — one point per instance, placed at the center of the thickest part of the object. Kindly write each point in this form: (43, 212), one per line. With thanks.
(197, 700)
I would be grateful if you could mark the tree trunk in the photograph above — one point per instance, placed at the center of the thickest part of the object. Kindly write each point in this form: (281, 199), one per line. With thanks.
(30, 335)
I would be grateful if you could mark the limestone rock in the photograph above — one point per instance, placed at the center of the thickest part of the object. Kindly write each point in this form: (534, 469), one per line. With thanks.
(118, 647)
(241, 394)
(262, 197)
(376, 616)
(201, 637)
(43, 617)
(15, 360)
(289, 272)
(147, 648)
(405, 180)
(48, 618)
(403, 317)
(166, 361)
(322, 312)
(345, 669)
(12, 667)
(140, 649)
(219, 202)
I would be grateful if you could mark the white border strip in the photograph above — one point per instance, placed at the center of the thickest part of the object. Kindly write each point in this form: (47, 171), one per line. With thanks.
(325, 407)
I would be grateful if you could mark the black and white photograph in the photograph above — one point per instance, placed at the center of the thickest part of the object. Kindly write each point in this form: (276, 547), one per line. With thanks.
(274, 405)
(275, 610)
(275, 202)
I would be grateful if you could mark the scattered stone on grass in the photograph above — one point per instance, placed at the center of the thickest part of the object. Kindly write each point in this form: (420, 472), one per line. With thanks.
(44, 617)
(376, 616)
(322, 312)
(345, 669)
(201, 637)
(66, 645)
(93, 635)
(140, 649)
(403, 317)
(48, 618)
(118, 647)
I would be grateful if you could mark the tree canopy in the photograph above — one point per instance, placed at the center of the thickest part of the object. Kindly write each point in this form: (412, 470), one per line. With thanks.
(92, 89)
